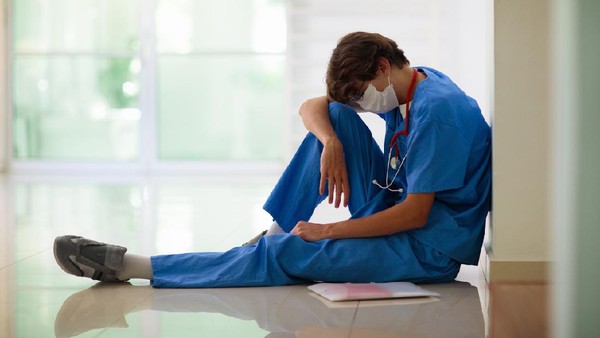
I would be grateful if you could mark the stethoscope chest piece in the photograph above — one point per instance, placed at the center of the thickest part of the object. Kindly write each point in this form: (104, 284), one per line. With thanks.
(394, 162)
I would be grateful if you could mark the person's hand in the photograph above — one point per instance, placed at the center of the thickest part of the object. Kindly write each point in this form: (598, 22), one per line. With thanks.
(310, 232)
(334, 173)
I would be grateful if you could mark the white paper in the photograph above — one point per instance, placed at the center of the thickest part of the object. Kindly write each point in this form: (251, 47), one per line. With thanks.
(357, 291)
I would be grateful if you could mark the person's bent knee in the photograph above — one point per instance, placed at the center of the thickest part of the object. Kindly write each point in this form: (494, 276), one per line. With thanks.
(336, 108)
(340, 114)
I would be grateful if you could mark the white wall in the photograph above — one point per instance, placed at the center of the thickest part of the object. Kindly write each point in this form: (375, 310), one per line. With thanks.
(449, 35)
(521, 132)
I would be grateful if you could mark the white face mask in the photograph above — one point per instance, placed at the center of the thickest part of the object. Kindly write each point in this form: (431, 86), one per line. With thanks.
(379, 102)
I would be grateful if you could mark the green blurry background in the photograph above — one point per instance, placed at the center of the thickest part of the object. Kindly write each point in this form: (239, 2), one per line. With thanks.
(80, 69)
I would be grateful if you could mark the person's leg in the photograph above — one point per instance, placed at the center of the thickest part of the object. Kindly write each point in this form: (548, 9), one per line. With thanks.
(280, 259)
(296, 195)
(287, 259)
(135, 266)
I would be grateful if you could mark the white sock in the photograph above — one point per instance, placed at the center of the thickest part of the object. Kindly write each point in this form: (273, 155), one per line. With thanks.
(136, 266)
(274, 229)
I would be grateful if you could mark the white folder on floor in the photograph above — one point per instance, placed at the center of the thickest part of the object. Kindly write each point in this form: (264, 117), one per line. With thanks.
(358, 291)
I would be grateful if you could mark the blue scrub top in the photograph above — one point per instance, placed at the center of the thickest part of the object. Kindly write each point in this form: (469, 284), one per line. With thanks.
(449, 154)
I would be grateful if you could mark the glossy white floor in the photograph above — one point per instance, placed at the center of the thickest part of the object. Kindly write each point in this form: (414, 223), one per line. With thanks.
(151, 216)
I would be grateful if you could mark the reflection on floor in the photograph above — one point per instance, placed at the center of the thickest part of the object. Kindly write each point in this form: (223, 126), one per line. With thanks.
(174, 215)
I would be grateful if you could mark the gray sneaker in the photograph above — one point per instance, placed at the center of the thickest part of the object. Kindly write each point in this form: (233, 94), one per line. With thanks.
(255, 239)
(83, 257)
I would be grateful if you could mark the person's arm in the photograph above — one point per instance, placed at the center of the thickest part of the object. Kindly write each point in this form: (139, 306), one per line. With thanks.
(412, 213)
(315, 116)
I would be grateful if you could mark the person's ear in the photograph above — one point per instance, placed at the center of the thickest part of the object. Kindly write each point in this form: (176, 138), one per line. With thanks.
(384, 66)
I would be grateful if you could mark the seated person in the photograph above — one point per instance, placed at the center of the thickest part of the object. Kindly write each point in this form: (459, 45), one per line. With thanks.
(418, 207)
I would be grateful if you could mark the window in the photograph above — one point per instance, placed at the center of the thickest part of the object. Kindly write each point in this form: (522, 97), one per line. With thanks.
(153, 82)
(220, 79)
(75, 72)
(89, 78)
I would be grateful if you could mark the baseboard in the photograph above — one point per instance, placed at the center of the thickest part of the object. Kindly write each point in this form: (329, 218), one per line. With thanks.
(513, 271)
(517, 271)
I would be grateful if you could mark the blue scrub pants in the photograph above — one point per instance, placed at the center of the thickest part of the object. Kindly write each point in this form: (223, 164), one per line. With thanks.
(285, 259)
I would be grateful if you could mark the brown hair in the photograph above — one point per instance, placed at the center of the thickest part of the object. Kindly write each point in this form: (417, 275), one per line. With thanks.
(355, 60)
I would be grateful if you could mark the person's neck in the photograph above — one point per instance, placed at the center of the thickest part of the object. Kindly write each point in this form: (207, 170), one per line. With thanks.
(402, 79)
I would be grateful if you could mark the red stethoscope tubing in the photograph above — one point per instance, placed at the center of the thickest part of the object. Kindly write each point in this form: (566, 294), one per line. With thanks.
(406, 120)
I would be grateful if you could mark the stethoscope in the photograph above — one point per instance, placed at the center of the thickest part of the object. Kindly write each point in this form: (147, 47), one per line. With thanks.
(394, 162)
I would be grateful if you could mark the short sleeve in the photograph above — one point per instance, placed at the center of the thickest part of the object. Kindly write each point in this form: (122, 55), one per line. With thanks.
(437, 158)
